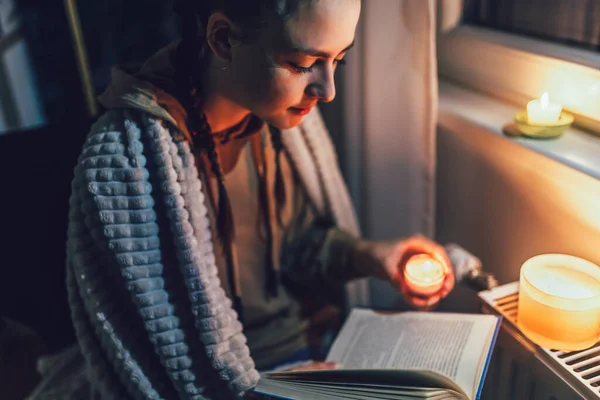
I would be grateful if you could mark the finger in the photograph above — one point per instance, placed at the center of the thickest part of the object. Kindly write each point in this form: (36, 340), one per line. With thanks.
(397, 280)
(424, 302)
(441, 256)
(450, 281)
(317, 366)
(329, 365)
(448, 285)
(419, 303)
(421, 244)
(445, 291)
(413, 247)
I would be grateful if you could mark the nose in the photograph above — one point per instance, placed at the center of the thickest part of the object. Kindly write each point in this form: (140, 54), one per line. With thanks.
(323, 87)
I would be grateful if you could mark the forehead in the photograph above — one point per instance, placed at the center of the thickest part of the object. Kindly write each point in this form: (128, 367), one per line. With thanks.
(326, 25)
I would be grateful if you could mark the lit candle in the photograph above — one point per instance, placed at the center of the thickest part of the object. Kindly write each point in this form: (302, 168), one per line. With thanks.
(542, 111)
(559, 302)
(424, 275)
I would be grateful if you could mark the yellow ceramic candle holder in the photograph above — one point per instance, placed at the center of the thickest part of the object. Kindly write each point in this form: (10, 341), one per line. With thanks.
(542, 130)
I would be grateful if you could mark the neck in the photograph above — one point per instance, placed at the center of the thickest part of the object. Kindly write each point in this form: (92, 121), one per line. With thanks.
(221, 112)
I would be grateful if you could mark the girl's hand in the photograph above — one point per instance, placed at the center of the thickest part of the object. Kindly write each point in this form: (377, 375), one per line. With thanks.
(316, 365)
(386, 260)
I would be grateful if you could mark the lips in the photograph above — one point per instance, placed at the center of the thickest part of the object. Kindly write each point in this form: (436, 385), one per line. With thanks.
(301, 110)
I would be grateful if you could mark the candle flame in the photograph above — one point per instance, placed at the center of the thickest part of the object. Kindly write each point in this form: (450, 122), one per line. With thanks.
(545, 100)
(428, 267)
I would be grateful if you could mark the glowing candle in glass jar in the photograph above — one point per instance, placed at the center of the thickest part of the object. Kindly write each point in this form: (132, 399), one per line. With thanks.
(542, 111)
(559, 302)
(424, 274)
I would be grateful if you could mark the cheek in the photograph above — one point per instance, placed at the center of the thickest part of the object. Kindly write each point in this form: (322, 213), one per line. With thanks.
(283, 90)
(265, 87)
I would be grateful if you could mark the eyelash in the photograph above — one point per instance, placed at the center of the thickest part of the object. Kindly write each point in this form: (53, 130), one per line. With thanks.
(308, 70)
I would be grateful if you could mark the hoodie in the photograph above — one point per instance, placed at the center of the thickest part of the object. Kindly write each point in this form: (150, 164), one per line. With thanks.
(145, 267)
(274, 325)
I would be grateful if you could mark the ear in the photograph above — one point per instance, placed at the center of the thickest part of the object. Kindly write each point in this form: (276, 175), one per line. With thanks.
(220, 36)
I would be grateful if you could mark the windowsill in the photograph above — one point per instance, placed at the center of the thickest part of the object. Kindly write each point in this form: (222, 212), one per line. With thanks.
(575, 148)
(518, 69)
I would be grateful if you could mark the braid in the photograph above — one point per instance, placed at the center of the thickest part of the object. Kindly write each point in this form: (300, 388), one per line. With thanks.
(190, 81)
(279, 183)
(252, 14)
(225, 225)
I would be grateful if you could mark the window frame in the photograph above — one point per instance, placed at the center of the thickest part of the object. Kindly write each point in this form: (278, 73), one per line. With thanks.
(517, 68)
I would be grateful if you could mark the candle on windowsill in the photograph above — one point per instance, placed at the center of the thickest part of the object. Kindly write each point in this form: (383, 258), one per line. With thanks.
(424, 275)
(542, 111)
(542, 119)
(559, 302)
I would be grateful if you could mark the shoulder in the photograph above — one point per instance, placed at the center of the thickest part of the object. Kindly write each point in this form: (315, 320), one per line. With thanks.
(120, 138)
(120, 144)
(111, 173)
(115, 148)
(112, 142)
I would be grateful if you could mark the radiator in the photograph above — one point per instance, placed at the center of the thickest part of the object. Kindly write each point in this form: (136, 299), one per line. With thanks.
(520, 369)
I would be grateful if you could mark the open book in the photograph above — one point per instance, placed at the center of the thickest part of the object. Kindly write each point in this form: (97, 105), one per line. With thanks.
(409, 355)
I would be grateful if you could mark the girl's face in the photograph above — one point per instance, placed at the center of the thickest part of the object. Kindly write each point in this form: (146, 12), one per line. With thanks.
(280, 76)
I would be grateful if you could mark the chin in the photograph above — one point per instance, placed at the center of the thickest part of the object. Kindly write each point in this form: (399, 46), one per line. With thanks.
(286, 121)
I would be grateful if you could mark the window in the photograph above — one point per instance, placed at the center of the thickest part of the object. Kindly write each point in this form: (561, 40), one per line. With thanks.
(19, 96)
(40, 82)
(569, 22)
(518, 49)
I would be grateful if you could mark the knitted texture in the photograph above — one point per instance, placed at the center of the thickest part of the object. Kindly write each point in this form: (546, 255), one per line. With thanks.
(151, 318)
(138, 228)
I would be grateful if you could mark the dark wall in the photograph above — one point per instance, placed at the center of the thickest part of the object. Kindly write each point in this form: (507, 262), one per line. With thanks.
(36, 165)
(114, 32)
(36, 168)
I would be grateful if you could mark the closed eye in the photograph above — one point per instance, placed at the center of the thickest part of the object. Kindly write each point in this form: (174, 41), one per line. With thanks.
(302, 70)
(307, 70)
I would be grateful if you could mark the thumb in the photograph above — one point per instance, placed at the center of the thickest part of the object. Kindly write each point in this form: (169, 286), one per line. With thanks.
(424, 302)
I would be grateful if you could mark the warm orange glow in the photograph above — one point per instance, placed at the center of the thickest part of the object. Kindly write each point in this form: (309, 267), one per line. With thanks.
(424, 274)
(559, 302)
(574, 86)
(542, 111)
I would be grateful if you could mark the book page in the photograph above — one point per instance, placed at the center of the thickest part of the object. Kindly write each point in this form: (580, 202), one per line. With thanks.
(283, 390)
(451, 344)
(372, 393)
(365, 383)
(416, 380)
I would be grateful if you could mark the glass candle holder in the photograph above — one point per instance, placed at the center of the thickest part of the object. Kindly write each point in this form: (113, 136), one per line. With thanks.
(559, 302)
(423, 277)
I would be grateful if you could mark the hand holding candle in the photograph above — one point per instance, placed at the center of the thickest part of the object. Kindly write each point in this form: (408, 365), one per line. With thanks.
(423, 281)
(430, 275)
(424, 271)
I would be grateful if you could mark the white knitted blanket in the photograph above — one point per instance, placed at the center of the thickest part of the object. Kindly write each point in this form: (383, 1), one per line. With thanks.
(151, 317)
